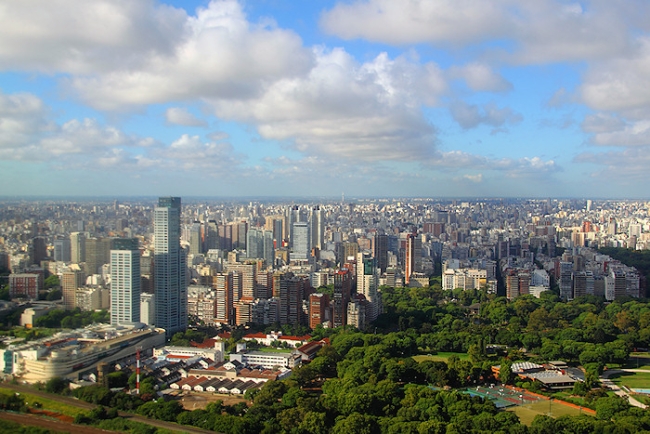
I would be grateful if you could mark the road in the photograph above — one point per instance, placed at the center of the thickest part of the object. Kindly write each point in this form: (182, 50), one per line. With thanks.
(604, 379)
(87, 406)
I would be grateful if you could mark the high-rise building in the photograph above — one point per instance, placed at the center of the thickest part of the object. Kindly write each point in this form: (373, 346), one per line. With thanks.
(301, 250)
(196, 243)
(71, 280)
(37, 250)
(290, 290)
(565, 281)
(342, 291)
(211, 236)
(77, 247)
(97, 254)
(62, 250)
(317, 228)
(368, 284)
(223, 285)
(170, 284)
(125, 281)
(380, 251)
(244, 277)
(318, 307)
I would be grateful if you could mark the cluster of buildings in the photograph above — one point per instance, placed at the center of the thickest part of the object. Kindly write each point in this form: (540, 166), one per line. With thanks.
(309, 264)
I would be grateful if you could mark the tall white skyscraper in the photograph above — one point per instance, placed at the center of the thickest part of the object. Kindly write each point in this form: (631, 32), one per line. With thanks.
(125, 281)
(170, 285)
(301, 241)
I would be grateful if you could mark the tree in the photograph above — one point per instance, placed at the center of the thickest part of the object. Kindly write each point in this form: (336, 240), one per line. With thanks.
(505, 372)
(607, 408)
(56, 385)
(51, 282)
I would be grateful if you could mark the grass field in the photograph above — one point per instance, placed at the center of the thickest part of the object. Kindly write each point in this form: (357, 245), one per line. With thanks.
(439, 357)
(634, 380)
(528, 412)
(47, 404)
(638, 361)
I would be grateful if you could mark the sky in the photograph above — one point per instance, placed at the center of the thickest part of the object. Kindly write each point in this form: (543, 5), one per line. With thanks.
(319, 98)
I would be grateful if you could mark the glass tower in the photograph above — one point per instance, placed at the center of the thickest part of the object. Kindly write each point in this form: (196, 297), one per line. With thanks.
(170, 285)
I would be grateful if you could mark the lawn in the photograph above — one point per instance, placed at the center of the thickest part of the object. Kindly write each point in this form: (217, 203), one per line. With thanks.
(47, 404)
(638, 361)
(633, 380)
(439, 357)
(528, 412)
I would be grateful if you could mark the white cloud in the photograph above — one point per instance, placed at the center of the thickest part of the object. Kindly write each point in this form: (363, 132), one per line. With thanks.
(480, 77)
(84, 36)
(630, 134)
(512, 168)
(471, 115)
(629, 166)
(191, 153)
(388, 21)
(369, 111)
(219, 55)
(602, 123)
(478, 178)
(23, 120)
(534, 31)
(621, 84)
(180, 116)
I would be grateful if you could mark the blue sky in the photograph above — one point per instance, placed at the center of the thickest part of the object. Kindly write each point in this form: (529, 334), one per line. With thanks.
(460, 98)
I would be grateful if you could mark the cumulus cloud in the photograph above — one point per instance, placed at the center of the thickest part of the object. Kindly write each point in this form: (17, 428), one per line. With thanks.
(28, 134)
(620, 84)
(218, 55)
(510, 167)
(180, 116)
(480, 77)
(85, 36)
(457, 21)
(602, 123)
(471, 115)
(629, 134)
(478, 178)
(23, 119)
(370, 111)
(632, 162)
(535, 32)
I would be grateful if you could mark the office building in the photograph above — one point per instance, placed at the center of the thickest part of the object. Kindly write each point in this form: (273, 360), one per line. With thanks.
(125, 281)
(71, 281)
(62, 250)
(170, 284)
(77, 247)
(301, 250)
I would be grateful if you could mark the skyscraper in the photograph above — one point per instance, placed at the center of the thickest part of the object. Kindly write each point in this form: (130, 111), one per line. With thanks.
(317, 227)
(301, 241)
(77, 247)
(125, 281)
(368, 284)
(170, 285)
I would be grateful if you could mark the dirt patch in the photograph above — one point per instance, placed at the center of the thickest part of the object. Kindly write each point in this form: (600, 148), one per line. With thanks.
(53, 415)
(50, 424)
(195, 401)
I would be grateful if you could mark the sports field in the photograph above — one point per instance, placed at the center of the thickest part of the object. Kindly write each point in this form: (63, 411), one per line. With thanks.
(501, 396)
(633, 380)
(527, 412)
(439, 357)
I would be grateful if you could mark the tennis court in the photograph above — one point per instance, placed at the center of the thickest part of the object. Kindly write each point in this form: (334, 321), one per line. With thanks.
(501, 396)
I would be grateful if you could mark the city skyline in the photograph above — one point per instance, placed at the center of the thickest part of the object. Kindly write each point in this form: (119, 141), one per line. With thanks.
(371, 98)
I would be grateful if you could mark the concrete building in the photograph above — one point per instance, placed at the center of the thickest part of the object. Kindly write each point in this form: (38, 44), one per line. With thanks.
(170, 284)
(125, 281)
